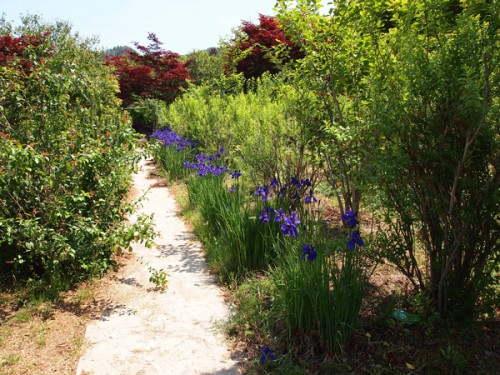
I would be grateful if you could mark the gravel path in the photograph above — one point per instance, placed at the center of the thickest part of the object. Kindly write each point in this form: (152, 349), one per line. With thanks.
(152, 332)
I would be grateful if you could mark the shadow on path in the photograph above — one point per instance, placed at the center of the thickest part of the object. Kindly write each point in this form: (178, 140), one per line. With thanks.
(191, 257)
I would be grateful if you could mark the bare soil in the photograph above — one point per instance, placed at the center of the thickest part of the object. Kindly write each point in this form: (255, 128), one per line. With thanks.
(47, 339)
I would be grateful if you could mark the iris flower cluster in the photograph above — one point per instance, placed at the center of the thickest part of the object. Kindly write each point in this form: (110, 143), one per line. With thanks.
(266, 214)
(169, 138)
(300, 184)
(295, 187)
(310, 198)
(235, 174)
(263, 192)
(294, 190)
(204, 169)
(354, 239)
(204, 165)
(290, 223)
(350, 218)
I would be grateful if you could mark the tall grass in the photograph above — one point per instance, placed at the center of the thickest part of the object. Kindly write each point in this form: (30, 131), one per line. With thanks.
(236, 240)
(322, 296)
(246, 244)
(210, 198)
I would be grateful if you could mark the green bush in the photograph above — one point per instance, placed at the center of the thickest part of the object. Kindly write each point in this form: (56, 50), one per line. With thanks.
(436, 110)
(67, 152)
(406, 117)
(205, 66)
(149, 113)
(253, 126)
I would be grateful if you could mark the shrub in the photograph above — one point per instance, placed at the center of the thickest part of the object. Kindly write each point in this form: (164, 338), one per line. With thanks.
(407, 115)
(436, 110)
(148, 114)
(255, 127)
(66, 154)
(205, 66)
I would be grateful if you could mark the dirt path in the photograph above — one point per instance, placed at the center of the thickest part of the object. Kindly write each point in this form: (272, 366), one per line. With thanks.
(152, 332)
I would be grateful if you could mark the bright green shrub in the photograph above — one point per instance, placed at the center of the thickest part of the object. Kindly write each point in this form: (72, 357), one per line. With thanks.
(252, 126)
(205, 66)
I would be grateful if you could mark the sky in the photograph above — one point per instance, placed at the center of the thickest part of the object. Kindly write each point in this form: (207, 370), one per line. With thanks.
(182, 25)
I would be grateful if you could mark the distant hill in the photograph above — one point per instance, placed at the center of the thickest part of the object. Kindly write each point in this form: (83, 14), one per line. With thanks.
(118, 51)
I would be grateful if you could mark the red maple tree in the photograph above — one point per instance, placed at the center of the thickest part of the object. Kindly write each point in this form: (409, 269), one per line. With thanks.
(257, 40)
(13, 50)
(150, 73)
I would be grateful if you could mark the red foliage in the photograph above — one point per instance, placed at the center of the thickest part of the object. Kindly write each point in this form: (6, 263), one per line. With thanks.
(152, 72)
(260, 38)
(14, 49)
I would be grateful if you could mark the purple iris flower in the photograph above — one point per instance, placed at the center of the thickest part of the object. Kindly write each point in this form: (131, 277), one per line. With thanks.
(267, 354)
(350, 218)
(306, 183)
(280, 216)
(295, 182)
(354, 239)
(266, 213)
(289, 226)
(308, 252)
(169, 138)
(263, 191)
(235, 175)
(310, 197)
